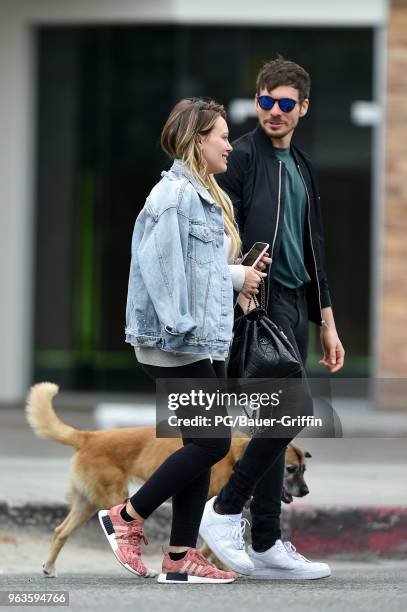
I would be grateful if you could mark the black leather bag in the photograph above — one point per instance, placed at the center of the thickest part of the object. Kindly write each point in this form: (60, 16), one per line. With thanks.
(260, 349)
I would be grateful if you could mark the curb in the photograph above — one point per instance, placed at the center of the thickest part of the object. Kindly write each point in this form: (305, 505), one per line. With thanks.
(348, 530)
(315, 530)
(44, 518)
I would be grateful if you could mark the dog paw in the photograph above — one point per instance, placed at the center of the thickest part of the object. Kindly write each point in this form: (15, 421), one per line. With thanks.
(151, 573)
(49, 572)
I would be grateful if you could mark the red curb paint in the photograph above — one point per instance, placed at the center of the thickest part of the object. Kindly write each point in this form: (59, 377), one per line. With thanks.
(328, 530)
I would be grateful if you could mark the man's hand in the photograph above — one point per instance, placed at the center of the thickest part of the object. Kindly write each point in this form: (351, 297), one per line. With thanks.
(332, 349)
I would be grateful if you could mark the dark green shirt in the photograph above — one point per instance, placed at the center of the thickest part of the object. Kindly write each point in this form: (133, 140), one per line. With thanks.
(290, 270)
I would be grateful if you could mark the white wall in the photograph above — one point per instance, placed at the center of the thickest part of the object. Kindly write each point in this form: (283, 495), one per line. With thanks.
(17, 96)
(16, 210)
(276, 12)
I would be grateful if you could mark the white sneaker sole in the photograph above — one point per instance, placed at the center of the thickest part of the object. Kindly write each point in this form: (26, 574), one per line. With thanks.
(108, 530)
(175, 578)
(268, 573)
(205, 534)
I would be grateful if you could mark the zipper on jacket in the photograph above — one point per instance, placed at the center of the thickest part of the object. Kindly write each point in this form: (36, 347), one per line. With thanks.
(310, 235)
(280, 163)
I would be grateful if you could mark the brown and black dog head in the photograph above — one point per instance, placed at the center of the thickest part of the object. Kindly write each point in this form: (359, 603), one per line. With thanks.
(295, 466)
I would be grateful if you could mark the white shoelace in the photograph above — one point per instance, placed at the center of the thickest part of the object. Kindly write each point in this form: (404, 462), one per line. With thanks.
(237, 532)
(292, 551)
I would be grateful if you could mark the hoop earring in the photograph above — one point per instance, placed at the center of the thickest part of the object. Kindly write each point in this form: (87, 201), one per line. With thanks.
(202, 164)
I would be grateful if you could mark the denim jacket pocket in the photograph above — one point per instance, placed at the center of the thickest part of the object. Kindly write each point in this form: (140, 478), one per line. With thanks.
(200, 243)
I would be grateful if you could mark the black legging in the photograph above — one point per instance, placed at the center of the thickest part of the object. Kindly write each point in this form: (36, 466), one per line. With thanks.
(185, 475)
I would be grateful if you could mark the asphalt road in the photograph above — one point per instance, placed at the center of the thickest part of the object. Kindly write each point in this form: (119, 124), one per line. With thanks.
(96, 582)
(353, 586)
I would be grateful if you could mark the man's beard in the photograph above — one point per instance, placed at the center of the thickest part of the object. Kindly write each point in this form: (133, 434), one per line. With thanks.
(271, 133)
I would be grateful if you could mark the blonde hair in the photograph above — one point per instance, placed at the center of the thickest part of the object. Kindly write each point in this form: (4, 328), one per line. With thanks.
(179, 139)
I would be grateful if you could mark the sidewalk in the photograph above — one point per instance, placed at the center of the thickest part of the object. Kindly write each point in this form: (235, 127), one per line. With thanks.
(357, 501)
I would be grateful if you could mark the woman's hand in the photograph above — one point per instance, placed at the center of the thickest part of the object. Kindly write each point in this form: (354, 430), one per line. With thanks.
(264, 262)
(252, 281)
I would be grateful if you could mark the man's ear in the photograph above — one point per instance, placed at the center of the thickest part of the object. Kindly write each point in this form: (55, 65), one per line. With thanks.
(304, 107)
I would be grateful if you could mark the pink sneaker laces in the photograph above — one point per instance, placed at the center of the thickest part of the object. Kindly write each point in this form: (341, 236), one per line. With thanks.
(130, 541)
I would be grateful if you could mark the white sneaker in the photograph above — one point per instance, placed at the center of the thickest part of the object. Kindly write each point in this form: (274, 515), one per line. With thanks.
(283, 562)
(223, 533)
(311, 569)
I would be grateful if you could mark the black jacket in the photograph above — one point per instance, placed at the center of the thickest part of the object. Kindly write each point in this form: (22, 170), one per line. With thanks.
(255, 182)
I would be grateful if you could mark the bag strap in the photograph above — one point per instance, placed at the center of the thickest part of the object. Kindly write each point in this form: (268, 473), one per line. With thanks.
(253, 298)
(264, 294)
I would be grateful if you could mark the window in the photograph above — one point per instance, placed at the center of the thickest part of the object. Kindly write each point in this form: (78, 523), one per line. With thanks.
(104, 94)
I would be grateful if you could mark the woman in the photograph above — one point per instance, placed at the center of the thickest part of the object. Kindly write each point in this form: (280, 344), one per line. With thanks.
(179, 319)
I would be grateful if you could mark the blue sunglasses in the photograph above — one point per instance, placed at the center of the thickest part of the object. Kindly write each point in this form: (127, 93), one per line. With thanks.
(285, 104)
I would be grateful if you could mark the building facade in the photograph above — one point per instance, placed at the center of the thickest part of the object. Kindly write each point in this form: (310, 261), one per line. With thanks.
(85, 84)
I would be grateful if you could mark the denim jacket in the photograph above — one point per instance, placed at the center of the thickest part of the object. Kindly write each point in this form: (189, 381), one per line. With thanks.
(180, 294)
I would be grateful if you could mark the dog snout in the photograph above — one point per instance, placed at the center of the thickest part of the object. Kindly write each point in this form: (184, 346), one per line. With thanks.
(304, 490)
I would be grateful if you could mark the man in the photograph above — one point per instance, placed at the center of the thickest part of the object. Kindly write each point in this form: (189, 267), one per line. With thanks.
(274, 190)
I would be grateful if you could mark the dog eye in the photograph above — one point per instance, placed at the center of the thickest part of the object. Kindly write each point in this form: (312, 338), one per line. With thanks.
(291, 469)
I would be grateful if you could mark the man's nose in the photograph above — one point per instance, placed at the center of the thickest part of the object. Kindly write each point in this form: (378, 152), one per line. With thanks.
(275, 110)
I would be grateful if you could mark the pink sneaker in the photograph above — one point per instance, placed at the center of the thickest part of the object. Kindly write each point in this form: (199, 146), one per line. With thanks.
(194, 568)
(124, 538)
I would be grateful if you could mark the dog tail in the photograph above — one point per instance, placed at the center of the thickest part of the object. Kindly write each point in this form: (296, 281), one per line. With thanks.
(42, 418)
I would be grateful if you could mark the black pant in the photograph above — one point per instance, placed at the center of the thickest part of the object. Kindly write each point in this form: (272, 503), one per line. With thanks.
(185, 475)
(260, 472)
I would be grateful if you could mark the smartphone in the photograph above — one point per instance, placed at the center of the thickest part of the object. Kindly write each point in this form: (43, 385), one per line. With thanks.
(255, 254)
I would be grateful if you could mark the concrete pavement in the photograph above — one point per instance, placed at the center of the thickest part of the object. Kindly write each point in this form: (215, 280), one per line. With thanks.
(360, 587)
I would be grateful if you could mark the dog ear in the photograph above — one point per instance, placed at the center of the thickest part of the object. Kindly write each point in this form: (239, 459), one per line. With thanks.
(307, 455)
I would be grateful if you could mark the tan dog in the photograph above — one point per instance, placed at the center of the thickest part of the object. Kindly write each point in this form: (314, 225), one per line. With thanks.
(104, 462)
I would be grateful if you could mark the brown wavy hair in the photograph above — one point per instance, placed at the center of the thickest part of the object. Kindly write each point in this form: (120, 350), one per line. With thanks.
(189, 118)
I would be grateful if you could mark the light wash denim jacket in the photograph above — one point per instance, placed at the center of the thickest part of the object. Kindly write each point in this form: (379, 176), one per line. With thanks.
(180, 294)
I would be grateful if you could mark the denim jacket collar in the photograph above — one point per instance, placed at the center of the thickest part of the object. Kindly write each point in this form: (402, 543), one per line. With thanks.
(181, 169)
